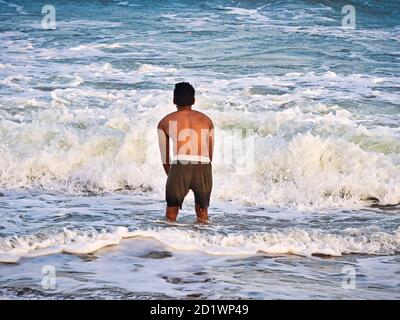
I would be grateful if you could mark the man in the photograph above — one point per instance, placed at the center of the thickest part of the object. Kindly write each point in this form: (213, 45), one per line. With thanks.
(192, 135)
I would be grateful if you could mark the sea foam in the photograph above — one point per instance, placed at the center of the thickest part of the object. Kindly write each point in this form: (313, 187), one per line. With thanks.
(298, 241)
(306, 155)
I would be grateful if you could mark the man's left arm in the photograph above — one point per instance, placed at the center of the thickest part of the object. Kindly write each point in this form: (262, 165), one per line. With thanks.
(211, 142)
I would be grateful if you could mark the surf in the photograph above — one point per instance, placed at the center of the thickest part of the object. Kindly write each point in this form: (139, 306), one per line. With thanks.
(294, 241)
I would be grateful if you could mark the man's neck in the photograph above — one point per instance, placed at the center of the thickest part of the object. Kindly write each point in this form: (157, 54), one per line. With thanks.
(184, 108)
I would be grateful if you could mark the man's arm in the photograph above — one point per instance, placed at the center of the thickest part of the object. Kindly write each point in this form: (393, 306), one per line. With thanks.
(163, 144)
(211, 141)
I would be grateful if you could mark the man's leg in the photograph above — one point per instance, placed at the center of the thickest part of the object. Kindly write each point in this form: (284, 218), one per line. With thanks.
(201, 185)
(171, 213)
(202, 214)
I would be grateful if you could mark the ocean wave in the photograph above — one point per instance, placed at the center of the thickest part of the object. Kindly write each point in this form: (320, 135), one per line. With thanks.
(65, 241)
(18, 8)
(247, 13)
(306, 154)
(304, 242)
(306, 171)
(149, 68)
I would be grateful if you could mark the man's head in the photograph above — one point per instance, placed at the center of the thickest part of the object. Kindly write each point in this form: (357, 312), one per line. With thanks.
(184, 94)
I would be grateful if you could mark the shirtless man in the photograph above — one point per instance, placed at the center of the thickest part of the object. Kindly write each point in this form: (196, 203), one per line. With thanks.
(192, 135)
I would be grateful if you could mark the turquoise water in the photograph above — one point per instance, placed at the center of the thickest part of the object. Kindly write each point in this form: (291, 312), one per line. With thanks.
(80, 171)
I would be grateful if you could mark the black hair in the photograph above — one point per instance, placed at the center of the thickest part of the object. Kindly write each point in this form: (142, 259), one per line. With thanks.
(184, 94)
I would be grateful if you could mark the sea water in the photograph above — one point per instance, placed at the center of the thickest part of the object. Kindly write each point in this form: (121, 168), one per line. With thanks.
(314, 212)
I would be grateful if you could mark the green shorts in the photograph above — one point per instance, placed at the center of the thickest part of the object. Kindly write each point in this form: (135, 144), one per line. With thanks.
(186, 176)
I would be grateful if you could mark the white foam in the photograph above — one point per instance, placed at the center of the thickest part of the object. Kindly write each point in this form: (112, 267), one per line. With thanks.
(296, 241)
(97, 24)
(314, 172)
(96, 46)
(148, 68)
(285, 241)
(66, 241)
(248, 13)
(14, 80)
(309, 155)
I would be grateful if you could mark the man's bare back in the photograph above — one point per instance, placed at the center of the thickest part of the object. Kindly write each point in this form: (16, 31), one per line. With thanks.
(192, 136)
(190, 132)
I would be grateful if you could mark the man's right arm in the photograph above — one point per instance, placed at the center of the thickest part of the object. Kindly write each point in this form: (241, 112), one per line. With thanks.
(163, 144)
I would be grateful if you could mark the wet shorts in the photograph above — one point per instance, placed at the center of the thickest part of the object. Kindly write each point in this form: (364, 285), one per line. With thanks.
(185, 176)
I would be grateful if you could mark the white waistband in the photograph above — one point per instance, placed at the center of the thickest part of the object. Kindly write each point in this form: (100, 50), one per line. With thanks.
(191, 157)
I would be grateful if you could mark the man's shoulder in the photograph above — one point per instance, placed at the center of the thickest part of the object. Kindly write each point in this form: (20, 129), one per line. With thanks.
(204, 117)
(164, 120)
